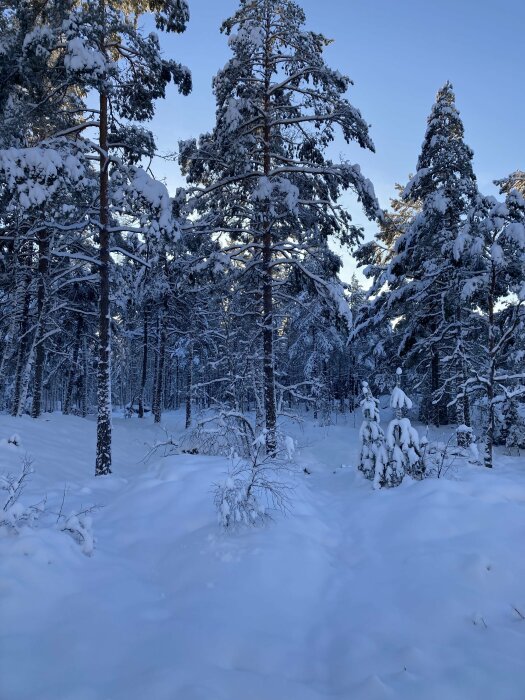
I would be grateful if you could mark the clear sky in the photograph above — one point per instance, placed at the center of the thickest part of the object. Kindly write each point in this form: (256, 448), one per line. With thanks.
(398, 53)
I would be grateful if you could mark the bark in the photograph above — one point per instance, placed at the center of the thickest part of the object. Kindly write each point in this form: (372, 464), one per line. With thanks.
(21, 356)
(270, 409)
(144, 364)
(462, 406)
(103, 458)
(489, 444)
(159, 383)
(40, 351)
(189, 386)
(258, 391)
(71, 375)
(26, 373)
(8, 352)
(434, 366)
(177, 384)
(83, 379)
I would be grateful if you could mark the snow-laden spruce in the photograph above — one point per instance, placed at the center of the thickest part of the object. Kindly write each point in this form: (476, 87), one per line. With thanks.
(515, 428)
(373, 458)
(418, 283)
(491, 247)
(402, 440)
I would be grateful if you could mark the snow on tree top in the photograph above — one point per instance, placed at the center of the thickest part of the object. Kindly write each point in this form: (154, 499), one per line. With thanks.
(399, 399)
(84, 58)
(35, 174)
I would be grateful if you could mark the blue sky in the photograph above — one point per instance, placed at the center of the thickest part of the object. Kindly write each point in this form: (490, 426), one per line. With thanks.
(398, 53)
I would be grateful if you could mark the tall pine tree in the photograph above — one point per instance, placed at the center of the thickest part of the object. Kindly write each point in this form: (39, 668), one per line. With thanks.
(262, 175)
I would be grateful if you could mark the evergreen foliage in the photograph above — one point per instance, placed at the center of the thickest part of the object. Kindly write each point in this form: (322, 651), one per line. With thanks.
(226, 298)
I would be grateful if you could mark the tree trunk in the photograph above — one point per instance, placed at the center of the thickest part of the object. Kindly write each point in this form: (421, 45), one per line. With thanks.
(71, 375)
(270, 409)
(489, 443)
(26, 373)
(7, 340)
(17, 408)
(177, 384)
(189, 386)
(258, 394)
(434, 366)
(144, 364)
(103, 459)
(462, 407)
(40, 351)
(83, 379)
(159, 382)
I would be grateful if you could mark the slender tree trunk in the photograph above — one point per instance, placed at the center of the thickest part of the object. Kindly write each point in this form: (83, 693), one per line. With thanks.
(270, 409)
(466, 402)
(7, 341)
(258, 394)
(268, 356)
(326, 397)
(159, 383)
(189, 386)
(317, 372)
(434, 380)
(462, 407)
(103, 459)
(83, 379)
(462, 436)
(21, 357)
(463, 411)
(489, 443)
(28, 368)
(72, 373)
(144, 374)
(177, 384)
(40, 352)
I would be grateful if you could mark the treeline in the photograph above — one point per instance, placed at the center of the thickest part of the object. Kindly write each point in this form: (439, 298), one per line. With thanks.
(227, 295)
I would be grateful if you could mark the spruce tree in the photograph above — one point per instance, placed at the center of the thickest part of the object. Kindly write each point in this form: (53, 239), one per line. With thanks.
(515, 428)
(373, 458)
(491, 247)
(419, 283)
(404, 449)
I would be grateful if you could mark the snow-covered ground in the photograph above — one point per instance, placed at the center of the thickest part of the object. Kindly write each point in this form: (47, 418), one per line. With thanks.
(417, 593)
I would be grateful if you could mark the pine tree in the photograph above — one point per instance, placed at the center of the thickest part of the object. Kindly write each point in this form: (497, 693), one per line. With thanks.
(514, 181)
(262, 174)
(377, 253)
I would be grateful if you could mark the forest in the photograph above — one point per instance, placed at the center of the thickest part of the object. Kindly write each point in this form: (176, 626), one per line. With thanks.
(203, 337)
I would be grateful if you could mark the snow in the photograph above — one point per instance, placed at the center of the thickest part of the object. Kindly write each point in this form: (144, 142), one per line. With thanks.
(278, 188)
(408, 593)
(81, 57)
(153, 192)
(35, 174)
(233, 112)
(251, 35)
(39, 39)
(399, 399)
(438, 201)
(496, 254)
(516, 232)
